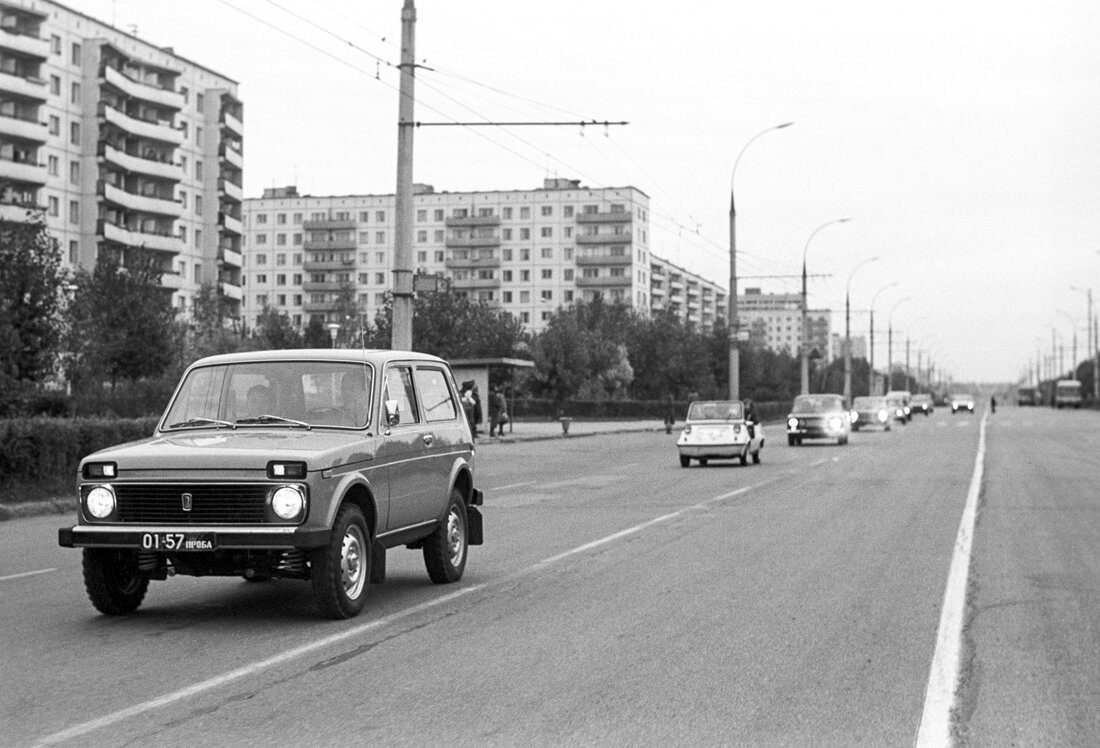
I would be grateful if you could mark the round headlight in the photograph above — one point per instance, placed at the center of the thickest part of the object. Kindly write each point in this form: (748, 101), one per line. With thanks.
(792, 423)
(836, 423)
(288, 502)
(883, 415)
(100, 502)
(855, 416)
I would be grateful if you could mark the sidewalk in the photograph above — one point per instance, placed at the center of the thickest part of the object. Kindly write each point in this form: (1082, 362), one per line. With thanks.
(524, 431)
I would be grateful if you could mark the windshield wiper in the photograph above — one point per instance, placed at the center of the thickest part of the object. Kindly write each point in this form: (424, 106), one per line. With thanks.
(266, 418)
(201, 422)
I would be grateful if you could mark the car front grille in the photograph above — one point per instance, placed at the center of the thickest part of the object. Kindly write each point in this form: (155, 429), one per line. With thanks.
(210, 504)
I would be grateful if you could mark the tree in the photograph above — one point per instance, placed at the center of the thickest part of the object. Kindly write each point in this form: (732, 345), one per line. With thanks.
(274, 331)
(211, 329)
(452, 326)
(121, 320)
(31, 282)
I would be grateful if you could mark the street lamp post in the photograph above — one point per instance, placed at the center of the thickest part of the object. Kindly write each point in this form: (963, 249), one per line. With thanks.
(890, 344)
(908, 370)
(1091, 346)
(848, 332)
(805, 338)
(871, 380)
(1073, 359)
(731, 312)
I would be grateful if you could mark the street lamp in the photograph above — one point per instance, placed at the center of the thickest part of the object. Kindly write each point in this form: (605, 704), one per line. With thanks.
(804, 342)
(908, 372)
(1091, 345)
(731, 312)
(1074, 324)
(890, 344)
(871, 379)
(848, 332)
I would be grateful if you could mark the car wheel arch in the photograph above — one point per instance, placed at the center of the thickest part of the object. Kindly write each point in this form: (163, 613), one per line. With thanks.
(361, 496)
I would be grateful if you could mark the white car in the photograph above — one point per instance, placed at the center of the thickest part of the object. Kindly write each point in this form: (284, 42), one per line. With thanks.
(961, 401)
(718, 430)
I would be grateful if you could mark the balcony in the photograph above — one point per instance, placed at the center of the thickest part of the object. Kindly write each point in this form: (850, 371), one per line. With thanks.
(229, 224)
(24, 45)
(231, 123)
(160, 131)
(329, 244)
(154, 95)
(319, 306)
(22, 171)
(604, 217)
(474, 283)
(171, 280)
(230, 190)
(467, 221)
(29, 88)
(24, 129)
(328, 224)
(230, 291)
(311, 265)
(475, 241)
(19, 213)
(231, 155)
(589, 239)
(229, 258)
(139, 165)
(623, 259)
(311, 287)
(140, 203)
(454, 262)
(604, 280)
(155, 242)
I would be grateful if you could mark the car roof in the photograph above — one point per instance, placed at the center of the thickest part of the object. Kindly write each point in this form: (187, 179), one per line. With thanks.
(350, 355)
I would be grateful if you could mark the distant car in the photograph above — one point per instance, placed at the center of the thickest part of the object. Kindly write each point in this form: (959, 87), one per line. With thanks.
(296, 464)
(962, 401)
(899, 411)
(921, 403)
(870, 412)
(1067, 393)
(1027, 396)
(906, 399)
(718, 430)
(818, 417)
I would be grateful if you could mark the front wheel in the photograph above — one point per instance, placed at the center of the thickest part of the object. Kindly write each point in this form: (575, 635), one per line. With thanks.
(111, 577)
(445, 549)
(756, 457)
(684, 461)
(340, 570)
(790, 440)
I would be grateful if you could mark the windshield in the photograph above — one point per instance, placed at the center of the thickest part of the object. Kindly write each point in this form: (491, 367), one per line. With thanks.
(816, 403)
(287, 394)
(716, 410)
(869, 403)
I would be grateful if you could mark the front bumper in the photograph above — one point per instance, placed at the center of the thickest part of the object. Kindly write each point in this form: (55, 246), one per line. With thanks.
(95, 536)
(715, 451)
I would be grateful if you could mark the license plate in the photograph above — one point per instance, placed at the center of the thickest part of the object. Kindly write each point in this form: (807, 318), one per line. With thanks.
(179, 541)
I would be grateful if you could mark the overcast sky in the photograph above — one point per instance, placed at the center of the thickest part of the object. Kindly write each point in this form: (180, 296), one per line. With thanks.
(962, 138)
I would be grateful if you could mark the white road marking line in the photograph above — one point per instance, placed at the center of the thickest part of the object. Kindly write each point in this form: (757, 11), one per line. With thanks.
(201, 687)
(943, 678)
(26, 574)
(513, 485)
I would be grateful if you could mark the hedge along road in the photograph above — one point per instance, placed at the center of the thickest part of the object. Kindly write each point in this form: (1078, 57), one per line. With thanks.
(803, 609)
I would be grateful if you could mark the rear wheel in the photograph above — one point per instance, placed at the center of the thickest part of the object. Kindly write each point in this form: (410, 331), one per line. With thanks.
(684, 461)
(340, 570)
(445, 549)
(111, 577)
(790, 440)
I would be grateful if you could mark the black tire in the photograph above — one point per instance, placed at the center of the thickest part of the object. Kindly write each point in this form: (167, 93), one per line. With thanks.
(684, 461)
(843, 440)
(743, 458)
(340, 571)
(756, 457)
(111, 577)
(702, 462)
(446, 549)
(790, 440)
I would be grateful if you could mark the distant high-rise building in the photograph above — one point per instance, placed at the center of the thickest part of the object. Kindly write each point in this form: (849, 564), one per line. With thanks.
(121, 145)
(528, 252)
(778, 319)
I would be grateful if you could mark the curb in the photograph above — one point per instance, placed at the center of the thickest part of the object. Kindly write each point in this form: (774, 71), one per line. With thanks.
(37, 509)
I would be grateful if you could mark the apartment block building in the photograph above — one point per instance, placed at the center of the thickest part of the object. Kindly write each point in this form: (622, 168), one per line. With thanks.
(694, 299)
(120, 145)
(776, 320)
(526, 251)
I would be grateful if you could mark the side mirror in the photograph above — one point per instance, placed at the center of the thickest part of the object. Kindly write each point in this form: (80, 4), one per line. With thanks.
(393, 413)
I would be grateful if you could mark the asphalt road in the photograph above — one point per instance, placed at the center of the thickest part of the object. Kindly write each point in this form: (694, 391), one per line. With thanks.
(621, 600)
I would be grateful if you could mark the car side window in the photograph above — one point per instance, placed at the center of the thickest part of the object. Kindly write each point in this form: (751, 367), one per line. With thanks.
(399, 387)
(435, 396)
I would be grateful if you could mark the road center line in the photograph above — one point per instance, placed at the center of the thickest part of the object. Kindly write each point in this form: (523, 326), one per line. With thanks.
(513, 485)
(26, 574)
(943, 678)
(245, 671)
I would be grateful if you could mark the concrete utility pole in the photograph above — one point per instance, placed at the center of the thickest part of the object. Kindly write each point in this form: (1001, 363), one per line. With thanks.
(401, 337)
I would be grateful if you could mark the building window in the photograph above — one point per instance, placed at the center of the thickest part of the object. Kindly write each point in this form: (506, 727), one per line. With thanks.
(74, 133)
(524, 234)
(74, 95)
(280, 279)
(437, 214)
(506, 297)
(567, 274)
(280, 218)
(547, 253)
(567, 211)
(74, 172)
(55, 125)
(547, 210)
(421, 215)
(524, 297)
(525, 276)
(506, 276)
(524, 212)
(380, 216)
(74, 211)
(422, 236)
(525, 255)
(55, 44)
(55, 85)
(261, 259)
(198, 238)
(198, 205)
(198, 136)
(198, 170)
(260, 238)
(76, 53)
(547, 274)
(546, 232)
(54, 165)
(380, 278)
(379, 237)
(198, 102)
(54, 206)
(507, 212)
(74, 252)
(547, 295)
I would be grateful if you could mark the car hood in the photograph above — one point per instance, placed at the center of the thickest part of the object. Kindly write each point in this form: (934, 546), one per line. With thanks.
(239, 449)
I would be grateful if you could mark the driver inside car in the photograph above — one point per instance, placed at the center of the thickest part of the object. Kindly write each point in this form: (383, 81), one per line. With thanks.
(353, 391)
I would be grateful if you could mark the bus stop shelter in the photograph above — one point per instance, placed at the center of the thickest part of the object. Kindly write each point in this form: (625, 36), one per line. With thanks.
(477, 370)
